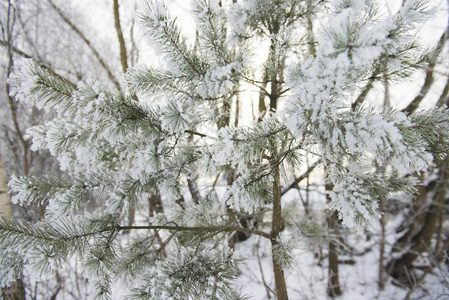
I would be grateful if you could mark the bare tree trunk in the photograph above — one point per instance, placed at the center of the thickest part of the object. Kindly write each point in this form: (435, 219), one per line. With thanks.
(444, 99)
(263, 87)
(155, 204)
(5, 203)
(333, 283)
(277, 222)
(194, 191)
(309, 24)
(417, 215)
(155, 207)
(381, 271)
(15, 290)
(421, 241)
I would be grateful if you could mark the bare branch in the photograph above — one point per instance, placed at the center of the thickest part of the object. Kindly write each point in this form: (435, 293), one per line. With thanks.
(297, 180)
(12, 105)
(444, 99)
(88, 44)
(121, 40)
(429, 76)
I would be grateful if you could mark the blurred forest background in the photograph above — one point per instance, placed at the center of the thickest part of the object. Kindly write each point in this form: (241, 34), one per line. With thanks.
(99, 40)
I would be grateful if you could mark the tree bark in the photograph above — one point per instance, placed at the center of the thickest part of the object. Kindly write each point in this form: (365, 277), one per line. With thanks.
(15, 290)
(263, 87)
(5, 203)
(26, 156)
(277, 228)
(194, 191)
(155, 204)
(275, 71)
(333, 283)
(444, 99)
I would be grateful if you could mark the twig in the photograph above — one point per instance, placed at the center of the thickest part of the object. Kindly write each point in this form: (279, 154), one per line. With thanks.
(267, 288)
(198, 229)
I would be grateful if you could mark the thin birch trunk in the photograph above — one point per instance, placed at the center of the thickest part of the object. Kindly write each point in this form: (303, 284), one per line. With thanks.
(15, 290)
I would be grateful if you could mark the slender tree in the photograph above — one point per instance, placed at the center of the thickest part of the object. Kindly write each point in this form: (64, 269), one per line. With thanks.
(16, 289)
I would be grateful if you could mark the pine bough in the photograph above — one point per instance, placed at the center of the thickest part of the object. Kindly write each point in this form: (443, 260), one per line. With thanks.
(117, 150)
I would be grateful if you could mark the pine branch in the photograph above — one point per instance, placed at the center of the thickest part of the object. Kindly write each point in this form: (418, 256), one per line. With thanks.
(168, 35)
(367, 88)
(432, 127)
(9, 228)
(45, 232)
(212, 32)
(423, 125)
(149, 80)
(225, 228)
(261, 137)
(175, 45)
(37, 85)
(197, 133)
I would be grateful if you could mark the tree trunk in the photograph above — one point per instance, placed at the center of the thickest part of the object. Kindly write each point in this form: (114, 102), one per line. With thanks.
(15, 290)
(381, 281)
(417, 217)
(275, 71)
(277, 228)
(262, 106)
(194, 191)
(5, 203)
(155, 207)
(155, 204)
(333, 283)
(421, 242)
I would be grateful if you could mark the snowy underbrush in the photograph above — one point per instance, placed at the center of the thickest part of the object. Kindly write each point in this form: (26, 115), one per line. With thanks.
(359, 258)
(308, 276)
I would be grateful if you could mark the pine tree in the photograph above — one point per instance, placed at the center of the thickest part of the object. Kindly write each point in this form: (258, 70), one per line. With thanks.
(117, 150)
